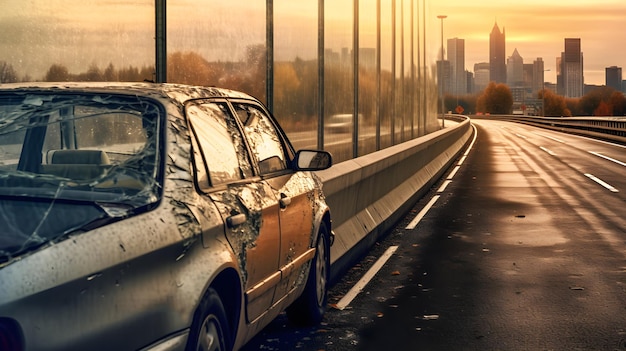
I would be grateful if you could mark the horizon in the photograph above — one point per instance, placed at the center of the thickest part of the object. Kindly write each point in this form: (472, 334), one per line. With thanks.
(535, 29)
(538, 29)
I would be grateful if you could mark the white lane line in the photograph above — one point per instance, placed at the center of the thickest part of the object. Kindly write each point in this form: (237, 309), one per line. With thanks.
(422, 213)
(550, 152)
(443, 186)
(453, 173)
(601, 182)
(462, 160)
(552, 138)
(358, 287)
(520, 136)
(473, 141)
(608, 158)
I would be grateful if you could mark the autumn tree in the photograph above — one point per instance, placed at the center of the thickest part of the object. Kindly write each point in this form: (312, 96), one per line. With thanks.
(496, 99)
(618, 102)
(603, 109)
(191, 68)
(554, 105)
(591, 101)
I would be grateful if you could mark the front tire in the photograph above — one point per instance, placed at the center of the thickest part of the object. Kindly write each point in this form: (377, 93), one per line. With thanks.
(209, 331)
(309, 308)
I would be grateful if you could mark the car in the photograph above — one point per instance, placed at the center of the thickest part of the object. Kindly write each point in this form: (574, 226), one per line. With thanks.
(339, 123)
(143, 216)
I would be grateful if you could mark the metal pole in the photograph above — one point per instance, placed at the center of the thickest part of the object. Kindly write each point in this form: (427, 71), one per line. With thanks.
(160, 41)
(441, 17)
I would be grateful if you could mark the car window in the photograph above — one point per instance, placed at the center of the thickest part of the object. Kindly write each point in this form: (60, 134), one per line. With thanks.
(262, 137)
(221, 155)
(87, 146)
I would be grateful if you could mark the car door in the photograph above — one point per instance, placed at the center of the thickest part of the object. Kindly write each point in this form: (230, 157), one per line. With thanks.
(247, 205)
(292, 189)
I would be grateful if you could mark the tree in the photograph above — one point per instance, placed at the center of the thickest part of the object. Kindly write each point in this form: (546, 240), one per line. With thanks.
(496, 99)
(7, 73)
(591, 101)
(110, 75)
(57, 73)
(618, 101)
(554, 105)
(603, 109)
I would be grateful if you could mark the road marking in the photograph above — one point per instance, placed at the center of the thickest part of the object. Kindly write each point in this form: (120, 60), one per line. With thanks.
(422, 213)
(601, 182)
(608, 158)
(552, 138)
(358, 287)
(453, 173)
(550, 152)
(461, 160)
(443, 186)
(520, 136)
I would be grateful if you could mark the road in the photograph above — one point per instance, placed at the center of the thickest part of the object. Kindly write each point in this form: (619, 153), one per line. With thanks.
(524, 248)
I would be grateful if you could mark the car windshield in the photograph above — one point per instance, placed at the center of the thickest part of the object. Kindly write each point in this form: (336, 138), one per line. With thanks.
(78, 156)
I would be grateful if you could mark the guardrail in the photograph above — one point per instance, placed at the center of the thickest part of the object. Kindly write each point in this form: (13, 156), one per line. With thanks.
(369, 194)
(608, 128)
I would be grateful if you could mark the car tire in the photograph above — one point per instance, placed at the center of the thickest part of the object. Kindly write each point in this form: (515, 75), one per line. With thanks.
(309, 308)
(209, 331)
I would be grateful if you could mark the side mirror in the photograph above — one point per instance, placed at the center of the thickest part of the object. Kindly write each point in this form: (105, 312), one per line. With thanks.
(312, 160)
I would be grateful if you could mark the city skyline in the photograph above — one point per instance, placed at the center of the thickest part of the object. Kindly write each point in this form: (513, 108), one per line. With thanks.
(538, 29)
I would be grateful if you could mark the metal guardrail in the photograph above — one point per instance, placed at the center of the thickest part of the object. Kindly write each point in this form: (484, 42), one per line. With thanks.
(368, 195)
(607, 128)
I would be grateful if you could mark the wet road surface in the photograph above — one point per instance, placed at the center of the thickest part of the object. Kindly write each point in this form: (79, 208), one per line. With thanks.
(525, 249)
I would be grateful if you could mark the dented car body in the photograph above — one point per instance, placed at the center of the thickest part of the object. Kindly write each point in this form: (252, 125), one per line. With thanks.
(154, 217)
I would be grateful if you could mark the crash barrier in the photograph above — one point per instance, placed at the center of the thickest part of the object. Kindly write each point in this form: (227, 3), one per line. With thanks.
(607, 128)
(369, 194)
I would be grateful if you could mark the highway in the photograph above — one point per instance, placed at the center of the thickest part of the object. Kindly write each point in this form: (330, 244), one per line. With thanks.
(520, 246)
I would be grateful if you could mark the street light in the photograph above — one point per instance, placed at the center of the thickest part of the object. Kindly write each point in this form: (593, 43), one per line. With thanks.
(543, 92)
(441, 17)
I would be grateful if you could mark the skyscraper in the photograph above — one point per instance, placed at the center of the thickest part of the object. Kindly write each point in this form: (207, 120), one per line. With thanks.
(571, 80)
(515, 70)
(481, 76)
(497, 55)
(538, 75)
(614, 77)
(456, 56)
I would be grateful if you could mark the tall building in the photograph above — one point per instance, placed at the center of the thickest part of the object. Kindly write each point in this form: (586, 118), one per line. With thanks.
(481, 76)
(538, 75)
(515, 70)
(456, 56)
(497, 55)
(571, 80)
(613, 76)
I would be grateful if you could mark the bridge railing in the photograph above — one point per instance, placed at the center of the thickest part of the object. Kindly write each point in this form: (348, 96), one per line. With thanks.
(369, 194)
(608, 128)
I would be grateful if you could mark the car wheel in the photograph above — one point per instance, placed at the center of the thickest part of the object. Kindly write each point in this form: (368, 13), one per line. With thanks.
(209, 331)
(309, 308)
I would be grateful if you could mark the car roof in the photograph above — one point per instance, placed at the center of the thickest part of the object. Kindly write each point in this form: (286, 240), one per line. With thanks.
(179, 92)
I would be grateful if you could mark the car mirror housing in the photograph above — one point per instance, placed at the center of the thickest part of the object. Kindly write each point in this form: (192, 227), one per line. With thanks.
(313, 160)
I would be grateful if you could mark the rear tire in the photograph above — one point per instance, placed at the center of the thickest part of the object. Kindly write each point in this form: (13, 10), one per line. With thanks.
(309, 308)
(209, 331)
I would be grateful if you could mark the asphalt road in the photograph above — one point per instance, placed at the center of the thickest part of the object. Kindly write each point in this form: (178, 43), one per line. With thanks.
(525, 249)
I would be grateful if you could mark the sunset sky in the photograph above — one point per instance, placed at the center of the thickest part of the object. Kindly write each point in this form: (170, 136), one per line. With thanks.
(38, 32)
(537, 28)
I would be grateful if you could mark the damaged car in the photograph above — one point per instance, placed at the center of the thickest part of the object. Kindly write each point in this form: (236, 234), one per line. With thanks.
(140, 216)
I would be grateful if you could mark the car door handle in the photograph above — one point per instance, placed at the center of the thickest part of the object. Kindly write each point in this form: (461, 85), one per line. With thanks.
(284, 201)
(235, 220)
